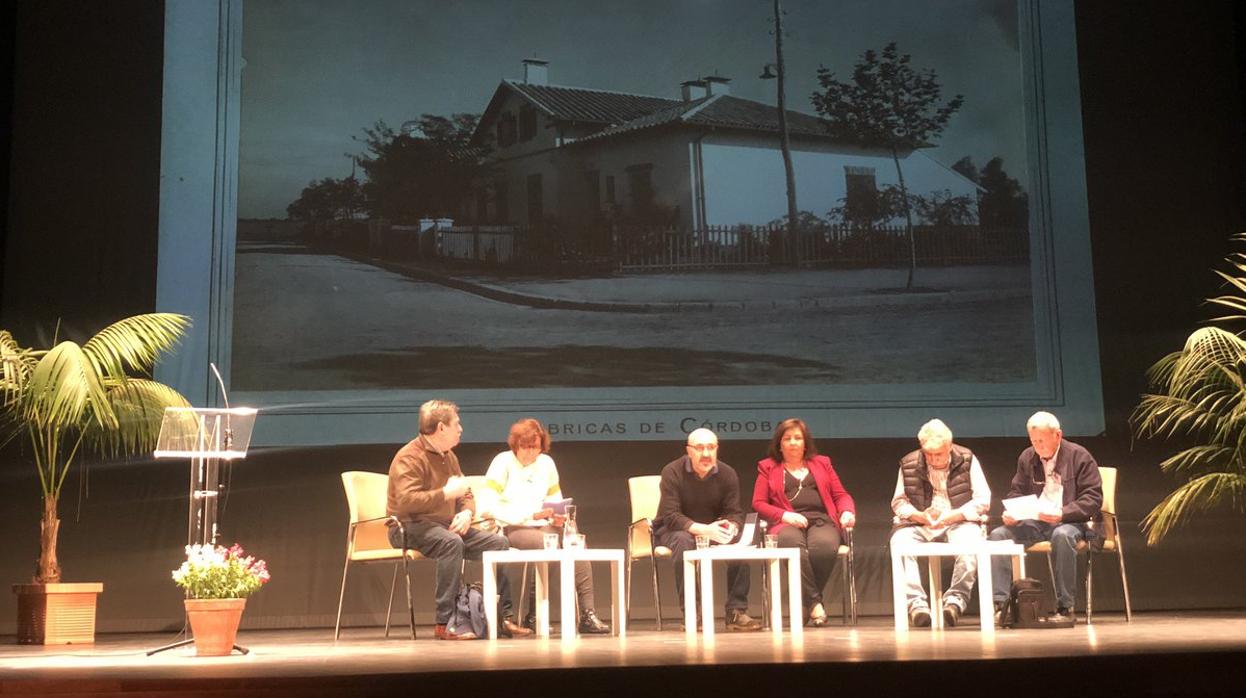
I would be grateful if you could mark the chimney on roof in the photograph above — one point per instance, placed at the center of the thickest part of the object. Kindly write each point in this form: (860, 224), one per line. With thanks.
(535, 71)
(715, 85)
(692, 90)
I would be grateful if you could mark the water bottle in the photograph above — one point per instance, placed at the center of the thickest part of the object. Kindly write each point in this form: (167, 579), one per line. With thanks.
(569, 528)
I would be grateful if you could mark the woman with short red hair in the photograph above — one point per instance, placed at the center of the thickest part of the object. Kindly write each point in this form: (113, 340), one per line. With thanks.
(525, 479)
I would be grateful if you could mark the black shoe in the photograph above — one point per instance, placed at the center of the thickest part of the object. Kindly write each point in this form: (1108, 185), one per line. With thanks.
(739, 621)
(590, 624)
(529, 622)
(951, 614)
(919, 617)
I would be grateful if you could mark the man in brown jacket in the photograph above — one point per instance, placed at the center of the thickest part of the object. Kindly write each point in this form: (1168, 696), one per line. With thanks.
(428, 493)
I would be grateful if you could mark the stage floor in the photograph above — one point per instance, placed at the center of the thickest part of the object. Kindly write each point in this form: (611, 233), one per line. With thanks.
(1201, 652)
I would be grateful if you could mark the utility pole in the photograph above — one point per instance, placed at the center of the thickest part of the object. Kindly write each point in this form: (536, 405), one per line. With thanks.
(793, 248)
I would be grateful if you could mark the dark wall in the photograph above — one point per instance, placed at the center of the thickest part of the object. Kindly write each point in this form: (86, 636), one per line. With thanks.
(1163, 116)
(84, 166)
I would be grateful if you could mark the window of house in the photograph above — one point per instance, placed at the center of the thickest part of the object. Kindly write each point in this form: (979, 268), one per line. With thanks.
(527, 122)
(640, 186)
(506, 129)
(536, 203)
(861, 203)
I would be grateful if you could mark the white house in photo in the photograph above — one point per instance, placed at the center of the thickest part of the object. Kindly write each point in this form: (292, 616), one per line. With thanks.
(710, 158)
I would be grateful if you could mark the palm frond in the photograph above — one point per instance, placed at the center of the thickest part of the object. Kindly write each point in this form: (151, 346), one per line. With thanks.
(1198, 494)
(139, 405)
(65, 392)
(16, 365)
(134, 344)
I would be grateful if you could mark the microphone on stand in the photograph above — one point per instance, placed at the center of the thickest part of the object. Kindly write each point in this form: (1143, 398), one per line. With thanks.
(229, 432)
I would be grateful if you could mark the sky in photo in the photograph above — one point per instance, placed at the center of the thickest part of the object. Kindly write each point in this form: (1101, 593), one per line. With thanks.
(318, 71)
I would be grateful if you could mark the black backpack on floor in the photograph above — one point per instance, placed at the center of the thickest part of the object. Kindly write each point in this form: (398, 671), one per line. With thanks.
(1023, 608)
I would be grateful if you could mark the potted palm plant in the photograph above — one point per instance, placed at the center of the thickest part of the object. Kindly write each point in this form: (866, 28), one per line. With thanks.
(68, 402)
(1198, 395)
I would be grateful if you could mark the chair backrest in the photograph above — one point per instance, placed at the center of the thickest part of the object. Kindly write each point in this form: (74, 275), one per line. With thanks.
(486, 497)
(645, 492)
(366, 494)
(1108, 476)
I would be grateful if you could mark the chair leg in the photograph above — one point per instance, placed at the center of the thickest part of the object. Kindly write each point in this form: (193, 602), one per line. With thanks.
(1120, 555)
(406, 572)
(337, 626)
(1052, 571)
(1090, 586)
(523, 592)
(389, 608)
(657, 594)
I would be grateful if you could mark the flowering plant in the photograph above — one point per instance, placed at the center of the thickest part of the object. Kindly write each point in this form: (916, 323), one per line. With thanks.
(216, 572)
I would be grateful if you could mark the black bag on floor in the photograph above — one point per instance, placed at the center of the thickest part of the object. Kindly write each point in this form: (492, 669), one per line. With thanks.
(1023, 608)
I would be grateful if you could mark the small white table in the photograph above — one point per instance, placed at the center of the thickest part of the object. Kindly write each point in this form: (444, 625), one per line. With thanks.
(984, 550)
(706, 558)
(566, 559)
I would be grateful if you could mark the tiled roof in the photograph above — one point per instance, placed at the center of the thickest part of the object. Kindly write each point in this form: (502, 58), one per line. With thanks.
(722, 111)
(595, 106)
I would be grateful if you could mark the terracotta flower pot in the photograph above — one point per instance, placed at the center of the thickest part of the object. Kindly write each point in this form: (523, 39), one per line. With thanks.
(214, 623)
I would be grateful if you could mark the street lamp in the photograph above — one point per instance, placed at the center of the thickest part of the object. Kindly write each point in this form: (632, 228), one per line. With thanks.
(785, 138)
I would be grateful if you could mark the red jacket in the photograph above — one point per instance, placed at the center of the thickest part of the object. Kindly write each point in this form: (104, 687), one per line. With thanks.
(770, 502)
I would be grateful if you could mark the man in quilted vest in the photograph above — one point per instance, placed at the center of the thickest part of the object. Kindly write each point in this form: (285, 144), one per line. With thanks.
(941, 495)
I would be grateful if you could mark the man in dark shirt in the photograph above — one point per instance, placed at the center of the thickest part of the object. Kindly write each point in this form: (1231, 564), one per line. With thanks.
(428, 493)
(700, 496)
(1065, 479)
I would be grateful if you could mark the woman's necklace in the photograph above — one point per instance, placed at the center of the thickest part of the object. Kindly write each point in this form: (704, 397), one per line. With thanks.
(799, 474)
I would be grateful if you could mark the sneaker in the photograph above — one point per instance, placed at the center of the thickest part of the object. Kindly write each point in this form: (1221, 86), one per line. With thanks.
(999, 614)
(739, 621)
(919, 617)
(590, 624)
(1064, 615)
(529, 621)
(951, 614)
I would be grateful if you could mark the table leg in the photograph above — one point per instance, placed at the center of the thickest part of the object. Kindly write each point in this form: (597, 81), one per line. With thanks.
(934, 563)
(797, 619)
(899, 606)
(490, 592)
(707, 598)
(1018, 566)
(566, 587)
(541, 570)
(619, 621)
(986, 605)
(776, 596)
(690, 598)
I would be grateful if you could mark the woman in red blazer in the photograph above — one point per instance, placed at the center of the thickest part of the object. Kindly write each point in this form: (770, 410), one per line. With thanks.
(803, 502)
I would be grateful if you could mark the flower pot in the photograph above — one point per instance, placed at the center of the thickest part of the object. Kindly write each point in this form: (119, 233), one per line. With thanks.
(214, 623)
(56, 614)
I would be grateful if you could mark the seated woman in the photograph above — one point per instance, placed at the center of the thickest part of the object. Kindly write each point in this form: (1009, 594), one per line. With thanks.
(802, 500)
(525, 478)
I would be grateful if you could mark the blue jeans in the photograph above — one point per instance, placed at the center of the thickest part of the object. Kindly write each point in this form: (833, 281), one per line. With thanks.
(436, 542)
(737, 572)
(1063, 537)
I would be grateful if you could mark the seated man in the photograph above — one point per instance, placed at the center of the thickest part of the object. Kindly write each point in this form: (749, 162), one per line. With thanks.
(428, 493)
(941, 494)
(700, 495)
(1065, 478)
